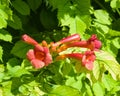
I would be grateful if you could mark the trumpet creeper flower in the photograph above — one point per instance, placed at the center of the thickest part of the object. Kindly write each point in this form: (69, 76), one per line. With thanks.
(39, 56)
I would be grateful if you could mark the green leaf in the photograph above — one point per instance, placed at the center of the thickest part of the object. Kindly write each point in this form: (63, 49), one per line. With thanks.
(34, 4)
(115, 3)
(110, 64)
(21, 6)
(89, 90)
(6, 88)
(20, 49)
(102, 17)
(64, 91)
(17, 71)
(48, 18)
(98, 89)
(14, 70)
(109, 82)
(12, 62)
(76, 24)
(3, 14)
(113, 33)
(75, 16)
(2, 74)
(4, 35)
(96, 70)
(3, 23)
(75, 82)
(25, 89)
(26, 64)
(116, 42)
(15, 23)
(66, 67)
(1, 53)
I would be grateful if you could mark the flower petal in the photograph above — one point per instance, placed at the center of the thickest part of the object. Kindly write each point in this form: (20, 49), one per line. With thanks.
(37, 63)
(88, 59)
(89, 65)
(30, 54)
(70, 38)
(38, 48)
(95, 42)
(48, 57)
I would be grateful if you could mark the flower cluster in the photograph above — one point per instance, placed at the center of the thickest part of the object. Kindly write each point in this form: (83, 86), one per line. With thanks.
(42, 53)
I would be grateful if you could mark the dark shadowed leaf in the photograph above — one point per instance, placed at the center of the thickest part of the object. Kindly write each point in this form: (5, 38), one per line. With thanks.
(21, 6)
(15, 23)
(34, 4)
(20, 49)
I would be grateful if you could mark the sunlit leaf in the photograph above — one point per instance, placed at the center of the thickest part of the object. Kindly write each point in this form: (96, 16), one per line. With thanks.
(1, 53)
(74, 14)
(6, 89)
(24, 89)
(115, 4)
(96, 70)
(75, 82)
(3, 14)
(20, 49)
(14, 69)
(26, 64)
(5, 35)
(3, 23)
(116, 42)
(114, 32)
(98, 89)
(66, 67)
(64, 91)
(108, 82)
(109, 63)
(89, 90)
(76, 24)
(102, 17)
(21, 6)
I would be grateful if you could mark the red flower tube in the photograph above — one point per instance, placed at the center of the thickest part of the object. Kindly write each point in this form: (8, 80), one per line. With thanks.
(29, 40)
(86, 58)
(93, 44)
(74, 37)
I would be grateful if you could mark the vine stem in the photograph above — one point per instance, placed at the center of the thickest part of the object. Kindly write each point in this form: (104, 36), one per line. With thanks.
(118, 11)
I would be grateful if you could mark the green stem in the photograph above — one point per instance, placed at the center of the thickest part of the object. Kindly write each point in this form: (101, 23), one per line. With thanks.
(118, 11)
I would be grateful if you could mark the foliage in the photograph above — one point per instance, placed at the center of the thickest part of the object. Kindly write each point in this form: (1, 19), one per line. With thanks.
(52, 20)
